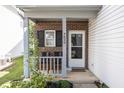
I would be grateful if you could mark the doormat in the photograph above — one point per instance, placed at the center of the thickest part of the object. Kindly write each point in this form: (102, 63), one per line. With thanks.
(78, 70)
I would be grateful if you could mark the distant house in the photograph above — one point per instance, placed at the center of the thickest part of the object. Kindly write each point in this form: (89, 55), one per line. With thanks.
(17, 51)
(2, 61)
(15, 26)
(11, 28)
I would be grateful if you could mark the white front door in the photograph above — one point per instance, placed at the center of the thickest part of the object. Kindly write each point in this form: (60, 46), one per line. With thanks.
(76, 48)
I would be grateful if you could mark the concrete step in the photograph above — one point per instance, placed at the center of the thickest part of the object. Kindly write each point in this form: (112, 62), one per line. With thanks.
(82, 81)
(84, 86)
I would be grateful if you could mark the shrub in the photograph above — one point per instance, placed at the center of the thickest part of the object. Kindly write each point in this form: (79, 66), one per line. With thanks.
(5, 85)
(59, 84)
(51, 84)
(38, 80)
(64, 84)
(20, 84)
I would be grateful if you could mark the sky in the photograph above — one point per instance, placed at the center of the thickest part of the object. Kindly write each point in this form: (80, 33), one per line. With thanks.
(11, 30)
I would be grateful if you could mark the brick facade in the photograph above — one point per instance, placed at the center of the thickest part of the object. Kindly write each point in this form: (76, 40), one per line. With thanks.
(57, 25)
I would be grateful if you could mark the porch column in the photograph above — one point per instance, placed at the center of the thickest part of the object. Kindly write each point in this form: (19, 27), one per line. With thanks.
(64, 42)
(26, 54)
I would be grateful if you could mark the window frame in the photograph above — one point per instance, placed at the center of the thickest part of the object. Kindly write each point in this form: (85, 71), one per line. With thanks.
(54, 44)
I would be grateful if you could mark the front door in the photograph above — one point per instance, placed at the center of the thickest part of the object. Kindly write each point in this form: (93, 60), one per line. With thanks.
(76, 48)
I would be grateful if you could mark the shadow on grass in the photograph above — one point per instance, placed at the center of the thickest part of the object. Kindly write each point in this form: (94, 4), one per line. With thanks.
(15, 71)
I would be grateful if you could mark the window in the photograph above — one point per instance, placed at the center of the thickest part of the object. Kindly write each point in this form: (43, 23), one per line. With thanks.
(50, 38)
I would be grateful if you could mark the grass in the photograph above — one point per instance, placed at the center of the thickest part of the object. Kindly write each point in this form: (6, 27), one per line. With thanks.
(15, 71)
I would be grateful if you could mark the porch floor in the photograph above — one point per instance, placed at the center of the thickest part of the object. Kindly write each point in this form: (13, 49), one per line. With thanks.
(84, 79)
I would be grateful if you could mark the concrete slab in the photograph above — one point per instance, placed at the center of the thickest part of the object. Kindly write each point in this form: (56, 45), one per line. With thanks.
(2, 73)
(2, 67)
(84, 86)
(85, 77)
(81, 79)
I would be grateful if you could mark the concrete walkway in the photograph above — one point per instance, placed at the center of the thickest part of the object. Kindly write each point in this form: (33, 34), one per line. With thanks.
(8, 64)
(84, 79)
(3, 67)
(84, 86)
(2, 73)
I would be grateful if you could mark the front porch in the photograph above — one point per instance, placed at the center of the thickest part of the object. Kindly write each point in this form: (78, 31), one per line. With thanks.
(81, 78)
(68, 48)
(59, 55)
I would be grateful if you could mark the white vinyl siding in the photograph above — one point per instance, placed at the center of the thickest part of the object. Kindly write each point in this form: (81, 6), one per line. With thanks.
(106, 45)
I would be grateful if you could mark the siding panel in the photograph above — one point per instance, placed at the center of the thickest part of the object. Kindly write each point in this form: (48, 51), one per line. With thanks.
(106, 45)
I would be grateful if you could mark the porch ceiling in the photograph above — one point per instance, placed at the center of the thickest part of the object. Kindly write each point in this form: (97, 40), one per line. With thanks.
(59, 11)
(38, 8)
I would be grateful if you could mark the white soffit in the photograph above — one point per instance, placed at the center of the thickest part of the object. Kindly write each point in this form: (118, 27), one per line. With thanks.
(38, 8)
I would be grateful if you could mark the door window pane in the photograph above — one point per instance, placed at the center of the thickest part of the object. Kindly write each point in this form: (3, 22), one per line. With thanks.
(76, 52)
(76, 39)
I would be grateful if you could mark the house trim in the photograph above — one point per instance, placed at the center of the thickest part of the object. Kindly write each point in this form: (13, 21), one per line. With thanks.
(83, 44)
(64, 49)
(26, 48)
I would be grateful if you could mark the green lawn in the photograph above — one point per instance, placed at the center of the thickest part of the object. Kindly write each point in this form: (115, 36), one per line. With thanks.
(15, 71)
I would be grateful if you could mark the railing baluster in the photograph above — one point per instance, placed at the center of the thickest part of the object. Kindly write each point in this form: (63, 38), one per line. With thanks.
(43, 65)
(61, 64)
(47, 64)
(50, 65)
(57, 65)
(54, 69)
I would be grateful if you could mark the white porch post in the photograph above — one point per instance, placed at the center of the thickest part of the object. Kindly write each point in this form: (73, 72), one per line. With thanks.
(26, 54)
(64, 43)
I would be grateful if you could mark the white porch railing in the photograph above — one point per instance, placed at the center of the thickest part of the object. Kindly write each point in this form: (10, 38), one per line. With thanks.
(50, 65)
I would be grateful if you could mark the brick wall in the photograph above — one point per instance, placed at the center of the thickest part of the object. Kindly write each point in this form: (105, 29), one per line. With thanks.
(57, 25)
(77, 25)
